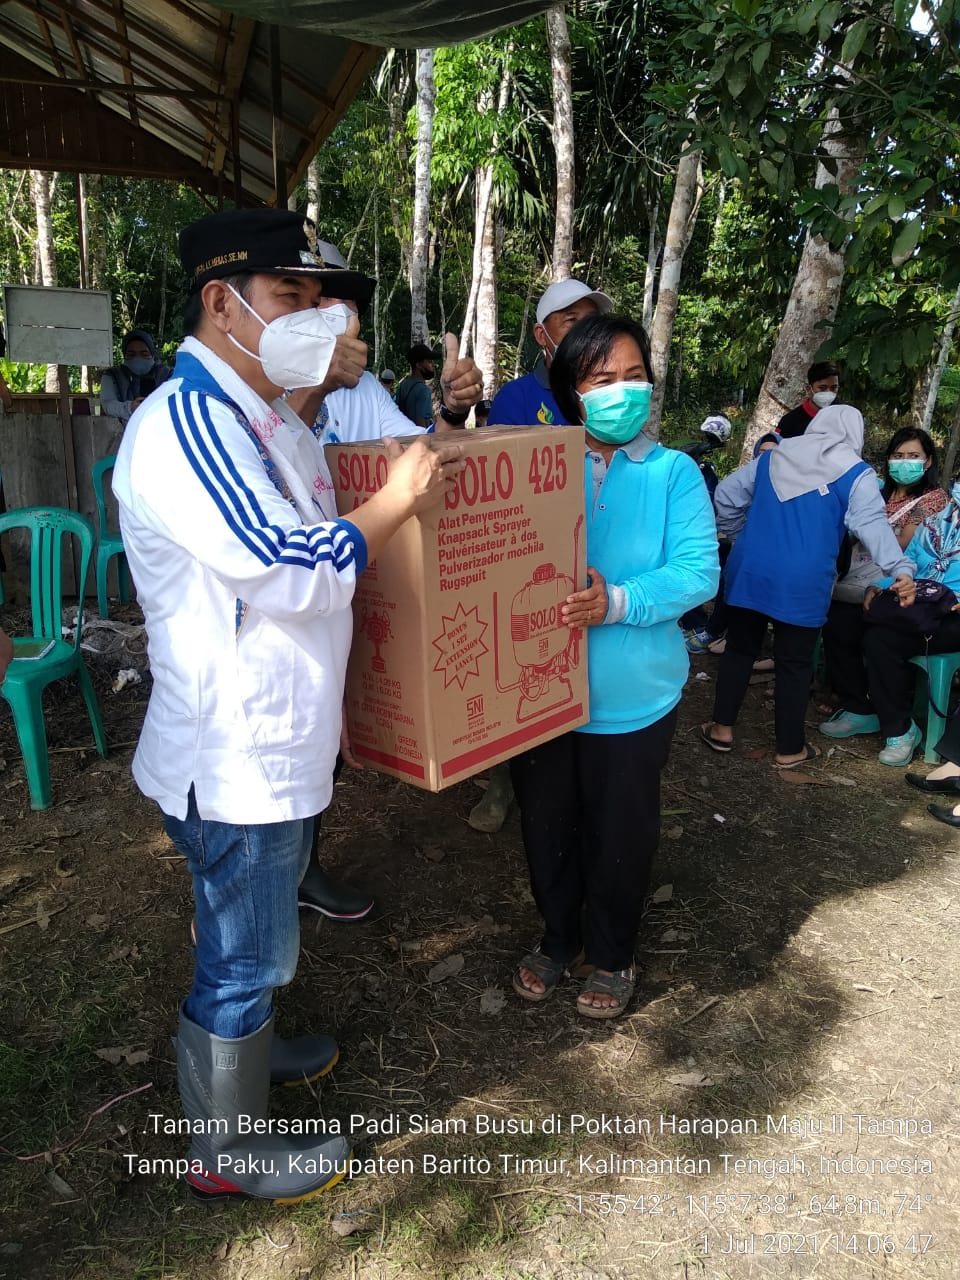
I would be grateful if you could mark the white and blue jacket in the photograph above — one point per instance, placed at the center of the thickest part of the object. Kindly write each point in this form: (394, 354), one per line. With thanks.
(247, 611)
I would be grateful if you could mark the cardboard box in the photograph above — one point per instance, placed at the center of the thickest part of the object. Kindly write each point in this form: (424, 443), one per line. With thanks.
(459, 656)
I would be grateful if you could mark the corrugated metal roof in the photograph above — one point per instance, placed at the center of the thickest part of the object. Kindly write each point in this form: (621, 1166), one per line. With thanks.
(168, 88)
(404, 23)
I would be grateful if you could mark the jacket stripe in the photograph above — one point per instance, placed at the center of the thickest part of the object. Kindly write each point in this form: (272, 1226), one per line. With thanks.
(237, 503)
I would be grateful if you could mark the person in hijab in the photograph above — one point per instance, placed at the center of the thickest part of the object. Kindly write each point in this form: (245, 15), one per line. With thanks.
(124, 387)
(766, 443)
(788, 510)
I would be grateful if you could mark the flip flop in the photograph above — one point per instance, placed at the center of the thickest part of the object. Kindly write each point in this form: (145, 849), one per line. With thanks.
(810, 752)
(714, 743)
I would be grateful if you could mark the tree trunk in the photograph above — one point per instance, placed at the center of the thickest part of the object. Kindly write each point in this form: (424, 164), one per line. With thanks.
(96, 232)
(558, 38)
(687, 191)
(483, 204)
(653, 253)
(950, 461)
(41, 189)
(814, 298)
(938, 366)
(485, 346)
(313, 191)
(527, 306)
(376, 287)
(426, 99)
(399, 91)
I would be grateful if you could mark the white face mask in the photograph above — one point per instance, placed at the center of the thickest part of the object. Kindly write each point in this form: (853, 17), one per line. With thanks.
(823, 398)
(296, 349)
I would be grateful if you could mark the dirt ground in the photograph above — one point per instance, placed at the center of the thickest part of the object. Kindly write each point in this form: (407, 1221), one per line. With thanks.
(781, 1099)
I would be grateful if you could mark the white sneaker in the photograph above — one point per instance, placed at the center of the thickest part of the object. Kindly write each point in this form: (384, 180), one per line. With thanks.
(899, 750)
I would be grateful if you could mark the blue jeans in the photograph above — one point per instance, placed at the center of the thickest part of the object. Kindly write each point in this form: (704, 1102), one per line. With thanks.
(245, 882)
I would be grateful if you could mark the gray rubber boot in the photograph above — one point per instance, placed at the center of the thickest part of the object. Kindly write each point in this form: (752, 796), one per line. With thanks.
(224, 1088)
(302, 1059)
(490, 811)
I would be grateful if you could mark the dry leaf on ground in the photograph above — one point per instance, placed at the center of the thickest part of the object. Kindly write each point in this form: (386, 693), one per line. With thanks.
(125, 1053)
(447, 968)
(345, 1224)
(492, 1000)
(691, 1080)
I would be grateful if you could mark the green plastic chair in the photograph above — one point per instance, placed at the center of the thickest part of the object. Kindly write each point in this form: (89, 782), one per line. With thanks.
(933, 697)
(52, 530)
(110, 542)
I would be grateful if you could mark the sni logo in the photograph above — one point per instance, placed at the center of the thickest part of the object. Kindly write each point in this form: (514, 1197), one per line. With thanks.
(475, 707)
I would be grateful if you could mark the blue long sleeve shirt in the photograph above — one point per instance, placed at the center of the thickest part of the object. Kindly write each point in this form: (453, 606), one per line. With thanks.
(651, 533)
(783, 563)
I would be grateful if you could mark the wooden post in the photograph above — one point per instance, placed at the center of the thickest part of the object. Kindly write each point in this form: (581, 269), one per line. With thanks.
(69, 457)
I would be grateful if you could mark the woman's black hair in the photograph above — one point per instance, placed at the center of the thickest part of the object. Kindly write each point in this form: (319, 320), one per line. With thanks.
(193, 308)
(930, 478)
(585, 347)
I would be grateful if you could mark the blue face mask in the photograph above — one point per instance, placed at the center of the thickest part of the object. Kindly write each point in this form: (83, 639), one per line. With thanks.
(617, 412)
(906, 470)
(139, 366)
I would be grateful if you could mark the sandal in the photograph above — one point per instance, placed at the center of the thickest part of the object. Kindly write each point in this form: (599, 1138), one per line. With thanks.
(810, 752)
(619, 985)
(715, 744)
(550, 972)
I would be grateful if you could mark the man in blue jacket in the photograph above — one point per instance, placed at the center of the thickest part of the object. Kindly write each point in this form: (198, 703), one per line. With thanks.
(528, 400)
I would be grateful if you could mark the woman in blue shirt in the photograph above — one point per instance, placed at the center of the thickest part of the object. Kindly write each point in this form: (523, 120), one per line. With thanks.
(590, 799)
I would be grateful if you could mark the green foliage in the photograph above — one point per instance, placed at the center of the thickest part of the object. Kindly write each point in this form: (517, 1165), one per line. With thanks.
(752, 83)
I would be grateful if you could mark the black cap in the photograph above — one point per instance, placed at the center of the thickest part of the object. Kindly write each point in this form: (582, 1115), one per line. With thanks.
(419, 351)
(266, 241)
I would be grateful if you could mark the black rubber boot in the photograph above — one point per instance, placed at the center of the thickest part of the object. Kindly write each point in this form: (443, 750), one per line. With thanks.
(490, 811)
(224, 1088)
(330, 897)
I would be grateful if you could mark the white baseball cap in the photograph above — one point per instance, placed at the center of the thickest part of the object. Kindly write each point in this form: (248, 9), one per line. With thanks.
(388, 376)
(565, 293)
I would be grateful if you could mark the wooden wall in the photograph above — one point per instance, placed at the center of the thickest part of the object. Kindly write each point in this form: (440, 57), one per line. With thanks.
(32, 466)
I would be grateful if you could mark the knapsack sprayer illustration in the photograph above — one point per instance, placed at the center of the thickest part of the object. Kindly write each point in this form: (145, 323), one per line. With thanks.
(544, 648)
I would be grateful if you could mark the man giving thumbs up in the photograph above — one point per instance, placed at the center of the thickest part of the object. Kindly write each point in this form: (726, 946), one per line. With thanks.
(351, 405)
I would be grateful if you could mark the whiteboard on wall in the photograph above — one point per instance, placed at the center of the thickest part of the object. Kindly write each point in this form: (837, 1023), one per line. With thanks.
(58, 326)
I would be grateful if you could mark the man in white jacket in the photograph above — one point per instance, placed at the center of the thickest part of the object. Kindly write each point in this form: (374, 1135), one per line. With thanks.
(245, 575)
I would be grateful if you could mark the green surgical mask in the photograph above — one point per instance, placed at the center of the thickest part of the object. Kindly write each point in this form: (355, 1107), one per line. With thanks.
(906, 470)
(617, 412)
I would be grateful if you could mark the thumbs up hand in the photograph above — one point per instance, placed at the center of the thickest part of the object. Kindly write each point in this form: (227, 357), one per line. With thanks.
(461, 385)
(349, 358)
(346, 368)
